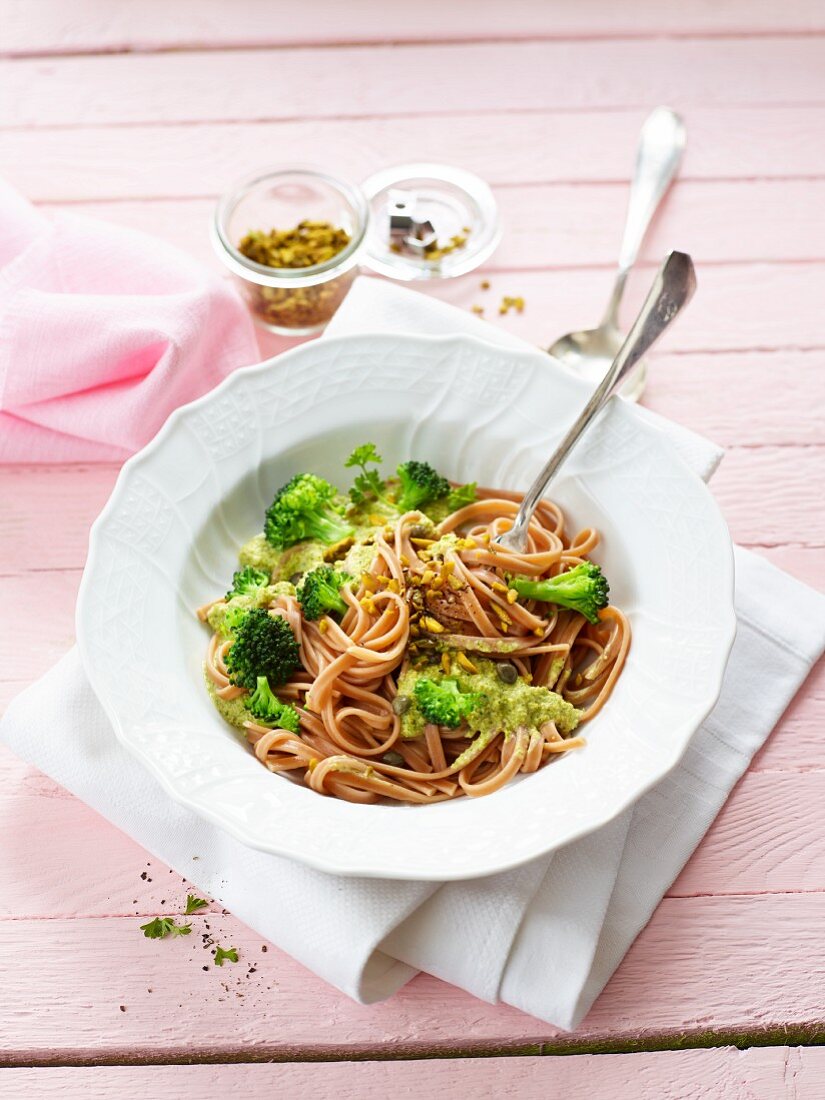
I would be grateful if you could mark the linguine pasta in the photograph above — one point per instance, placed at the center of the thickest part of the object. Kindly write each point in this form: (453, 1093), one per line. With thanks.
(435, 600)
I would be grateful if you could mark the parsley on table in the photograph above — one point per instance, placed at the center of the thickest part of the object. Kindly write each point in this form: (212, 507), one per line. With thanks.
(193, 904)
(161, 927)
(221, 955)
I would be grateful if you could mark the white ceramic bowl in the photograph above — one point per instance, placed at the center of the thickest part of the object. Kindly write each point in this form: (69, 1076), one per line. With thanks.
(168, 538)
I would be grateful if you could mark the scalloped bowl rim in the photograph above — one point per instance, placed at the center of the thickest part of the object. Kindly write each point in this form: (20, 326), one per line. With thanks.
(679, 736)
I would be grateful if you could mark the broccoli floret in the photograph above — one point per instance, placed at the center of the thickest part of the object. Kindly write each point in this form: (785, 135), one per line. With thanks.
(320, 592)
(583, 588)
(224, 617)
(263, 645)
(248, 582)
(268, 709)
(420, 483)
(305, 508)
(232, 619)
(442, 702)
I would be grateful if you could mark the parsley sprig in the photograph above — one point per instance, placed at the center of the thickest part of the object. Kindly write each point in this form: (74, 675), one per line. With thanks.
(368, 484)
(161, 927)
(193, 904)
(230, 953)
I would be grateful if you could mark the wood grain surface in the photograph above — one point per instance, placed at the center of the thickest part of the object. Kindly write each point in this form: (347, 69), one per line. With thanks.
(756, 1074)
(141, 116)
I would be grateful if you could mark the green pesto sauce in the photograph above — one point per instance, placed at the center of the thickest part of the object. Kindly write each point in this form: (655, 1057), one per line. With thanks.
(437, 510)
(217, 614)
(506, 706)
(304, 556)
(442, 545)
(556, 665)
(258, 553)
(359, 558)
(233, 710)
(281, 564)
(482, 645)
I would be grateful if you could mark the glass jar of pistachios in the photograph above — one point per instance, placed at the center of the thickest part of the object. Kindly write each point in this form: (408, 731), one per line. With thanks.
(292, 240)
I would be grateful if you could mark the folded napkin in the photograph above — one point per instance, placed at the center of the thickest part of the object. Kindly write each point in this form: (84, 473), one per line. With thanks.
(494, 937)
(103, 332)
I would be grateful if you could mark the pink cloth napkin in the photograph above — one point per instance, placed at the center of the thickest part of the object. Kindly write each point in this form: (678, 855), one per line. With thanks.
(103, 331)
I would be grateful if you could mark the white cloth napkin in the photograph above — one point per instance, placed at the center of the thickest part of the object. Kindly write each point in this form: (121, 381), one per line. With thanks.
(494, 937)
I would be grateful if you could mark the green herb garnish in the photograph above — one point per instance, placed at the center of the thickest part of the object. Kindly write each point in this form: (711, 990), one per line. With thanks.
(368, 484)
(161, 927)
(193, 904)
(221, 955)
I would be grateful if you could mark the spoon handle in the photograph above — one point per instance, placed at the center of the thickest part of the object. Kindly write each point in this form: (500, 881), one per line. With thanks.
(672, 289)
(661, 144)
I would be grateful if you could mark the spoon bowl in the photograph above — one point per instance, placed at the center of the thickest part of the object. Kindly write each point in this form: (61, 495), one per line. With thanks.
(590, 352)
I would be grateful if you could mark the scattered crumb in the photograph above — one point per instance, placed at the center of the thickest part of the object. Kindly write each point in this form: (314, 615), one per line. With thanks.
(485, 284)
(264, 947)
(508, 303)
(144, 876)
(478, 310)
(122, 1008)
(204, 968)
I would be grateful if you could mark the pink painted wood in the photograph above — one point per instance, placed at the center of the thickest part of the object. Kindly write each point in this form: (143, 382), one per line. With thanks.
(142, 119)
(764, 1074)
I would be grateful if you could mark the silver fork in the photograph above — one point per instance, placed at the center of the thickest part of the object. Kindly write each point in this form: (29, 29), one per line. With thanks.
(672, 289)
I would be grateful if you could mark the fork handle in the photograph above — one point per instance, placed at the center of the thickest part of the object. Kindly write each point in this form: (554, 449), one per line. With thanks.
(672, 289)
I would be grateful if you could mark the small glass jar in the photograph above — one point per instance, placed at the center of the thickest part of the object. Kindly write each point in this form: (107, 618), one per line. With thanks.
(295, 301)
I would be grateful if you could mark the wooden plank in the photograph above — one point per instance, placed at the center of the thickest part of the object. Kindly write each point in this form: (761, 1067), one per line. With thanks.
(69, 978)
(520, 147)
(382, 80)
(32, 496)
(765, 494)
(724, 396)
(46, 29)
(759, 1073)
(737, 307)
(40, 609)
(558, 301)
(754, 847)
(563, 225)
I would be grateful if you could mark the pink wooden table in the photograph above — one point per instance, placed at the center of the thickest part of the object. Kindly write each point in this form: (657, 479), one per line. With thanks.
(141, 115)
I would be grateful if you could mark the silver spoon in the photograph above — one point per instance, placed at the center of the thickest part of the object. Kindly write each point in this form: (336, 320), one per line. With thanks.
(591, 351)
(672, 289)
